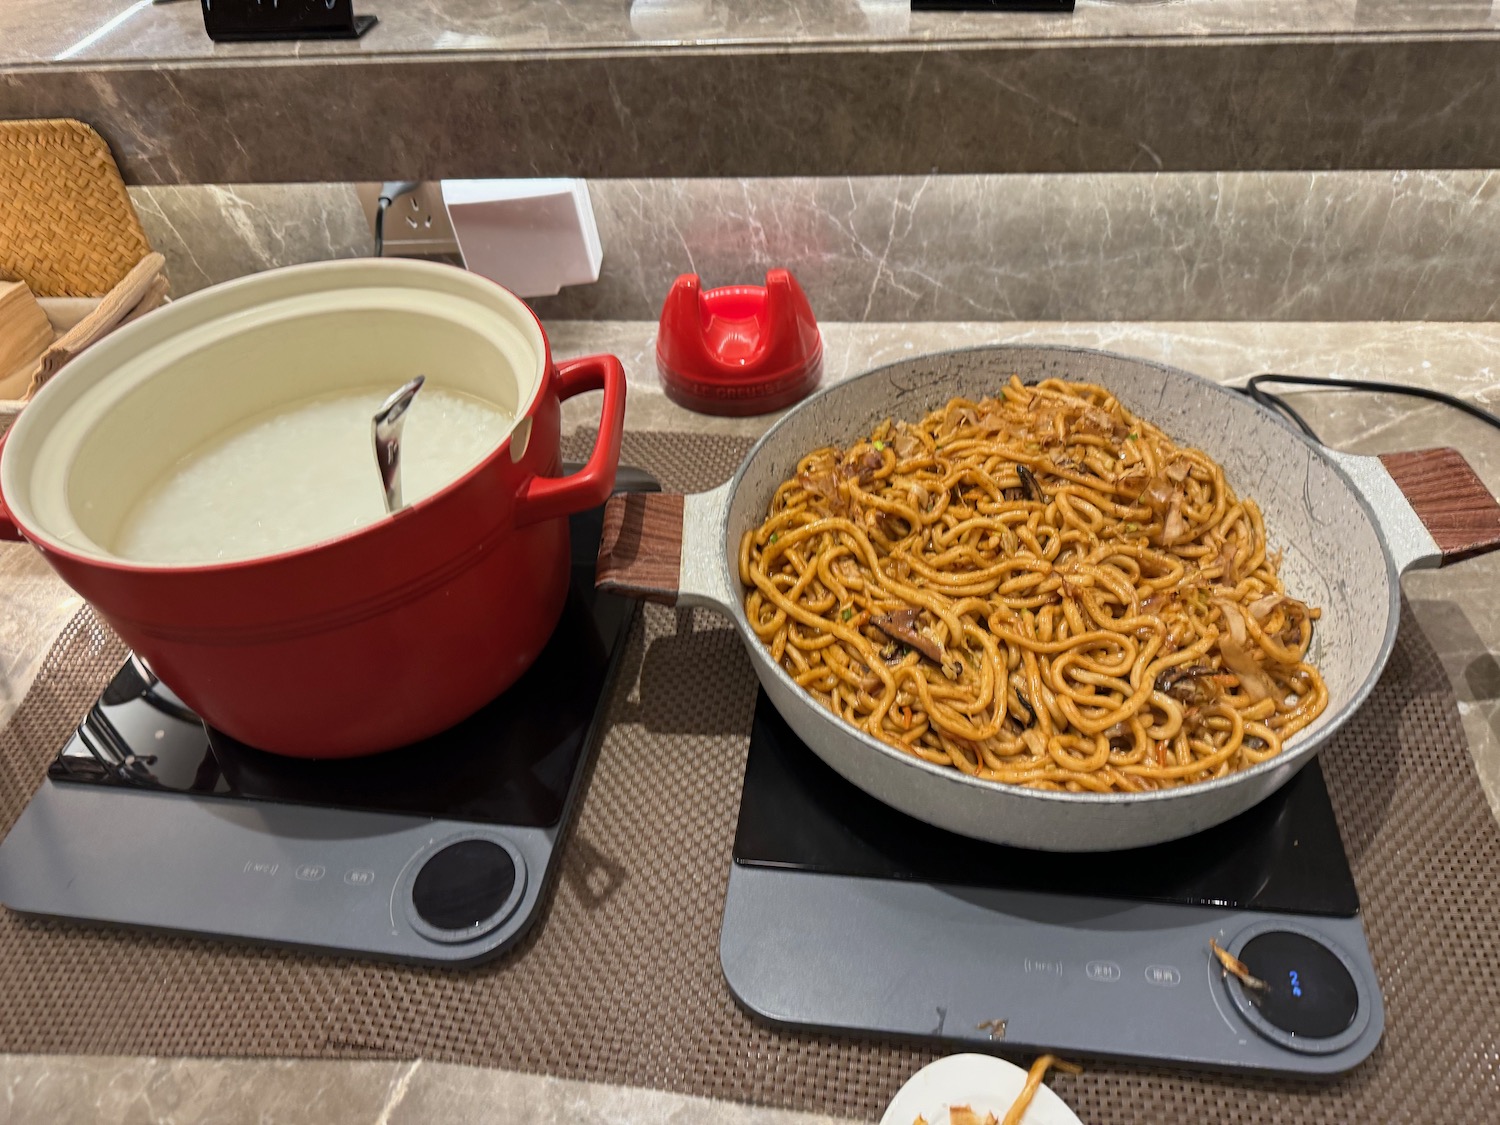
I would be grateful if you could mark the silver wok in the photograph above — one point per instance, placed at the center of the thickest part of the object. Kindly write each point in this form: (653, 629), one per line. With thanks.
(1348, 529)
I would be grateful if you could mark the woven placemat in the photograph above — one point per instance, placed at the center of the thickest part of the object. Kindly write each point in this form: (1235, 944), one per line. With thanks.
(621, 982)
(67, 226)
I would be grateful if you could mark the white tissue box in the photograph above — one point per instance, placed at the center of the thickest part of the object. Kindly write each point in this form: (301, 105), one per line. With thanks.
(532, 236)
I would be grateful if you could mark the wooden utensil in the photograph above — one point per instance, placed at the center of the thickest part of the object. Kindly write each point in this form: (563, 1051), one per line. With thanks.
(24, 335)
(142, 283)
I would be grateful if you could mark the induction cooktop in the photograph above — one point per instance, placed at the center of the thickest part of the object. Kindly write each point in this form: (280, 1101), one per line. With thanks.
(439, 852)
(844, 914)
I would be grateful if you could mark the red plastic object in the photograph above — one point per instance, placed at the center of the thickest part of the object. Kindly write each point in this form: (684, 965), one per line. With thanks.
(739, 350)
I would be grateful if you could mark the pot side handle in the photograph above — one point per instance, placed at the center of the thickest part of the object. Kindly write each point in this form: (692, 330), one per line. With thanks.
(1432, 506)
(665, 547)
(545, 498)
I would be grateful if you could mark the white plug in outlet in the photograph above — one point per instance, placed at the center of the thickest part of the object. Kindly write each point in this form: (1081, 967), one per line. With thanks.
(416, 224)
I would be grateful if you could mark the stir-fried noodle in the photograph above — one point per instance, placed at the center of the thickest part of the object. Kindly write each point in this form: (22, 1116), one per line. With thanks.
(1040, 589)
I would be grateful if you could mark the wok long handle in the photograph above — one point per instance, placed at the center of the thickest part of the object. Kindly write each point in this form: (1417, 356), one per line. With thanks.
(666, 547)
(1432, 506)
(1455, 506)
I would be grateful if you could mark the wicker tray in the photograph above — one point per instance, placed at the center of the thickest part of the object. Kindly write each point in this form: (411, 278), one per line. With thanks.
(67, 228)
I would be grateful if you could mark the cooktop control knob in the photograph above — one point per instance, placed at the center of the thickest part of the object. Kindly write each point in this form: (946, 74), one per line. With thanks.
(1312, 999)
(465, 888)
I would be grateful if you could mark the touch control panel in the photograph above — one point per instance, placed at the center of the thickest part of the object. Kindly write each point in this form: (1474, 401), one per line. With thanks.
(1309, 993)
(1087, 976)
(391, 886)
(464, 887)
(1312, 995)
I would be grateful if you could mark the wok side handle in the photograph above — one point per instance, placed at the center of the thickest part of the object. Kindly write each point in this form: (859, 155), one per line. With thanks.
(1454, 505)
(640, 552)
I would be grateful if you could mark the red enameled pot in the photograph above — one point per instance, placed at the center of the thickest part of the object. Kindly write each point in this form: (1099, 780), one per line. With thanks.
(376, 638)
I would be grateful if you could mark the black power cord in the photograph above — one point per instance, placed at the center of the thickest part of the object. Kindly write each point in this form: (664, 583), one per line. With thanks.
(390, 191)
(1254, 388)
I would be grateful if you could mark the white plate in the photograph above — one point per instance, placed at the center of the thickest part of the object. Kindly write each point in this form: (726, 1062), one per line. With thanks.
(983, 1083)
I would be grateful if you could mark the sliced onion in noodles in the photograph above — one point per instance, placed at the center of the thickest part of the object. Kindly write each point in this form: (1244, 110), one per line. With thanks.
(1233, 648)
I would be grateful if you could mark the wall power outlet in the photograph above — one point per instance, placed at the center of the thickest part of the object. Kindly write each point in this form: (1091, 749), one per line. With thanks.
(416, 224)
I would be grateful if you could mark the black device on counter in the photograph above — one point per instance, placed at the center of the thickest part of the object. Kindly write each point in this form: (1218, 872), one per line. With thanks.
(241, 21)
(992, 5)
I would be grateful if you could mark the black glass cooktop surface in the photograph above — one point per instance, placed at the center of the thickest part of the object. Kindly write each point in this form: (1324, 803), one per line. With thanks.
(511, 763)
(1283, 856)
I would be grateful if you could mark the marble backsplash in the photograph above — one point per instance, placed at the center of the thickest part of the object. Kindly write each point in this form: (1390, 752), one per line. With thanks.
(214, 233)
(1170, 246)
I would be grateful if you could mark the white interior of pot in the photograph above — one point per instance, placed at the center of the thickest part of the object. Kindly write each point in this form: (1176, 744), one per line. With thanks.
(123, 414)
(1333, 555)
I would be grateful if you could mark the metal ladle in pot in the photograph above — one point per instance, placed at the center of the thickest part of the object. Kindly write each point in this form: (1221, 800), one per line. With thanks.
(385, 429)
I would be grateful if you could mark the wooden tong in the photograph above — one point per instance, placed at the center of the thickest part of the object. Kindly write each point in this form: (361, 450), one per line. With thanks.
(141, 290)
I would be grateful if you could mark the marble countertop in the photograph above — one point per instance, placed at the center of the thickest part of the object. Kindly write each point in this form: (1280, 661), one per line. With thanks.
(1456, 608)
(606, 88)
(38, 31)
